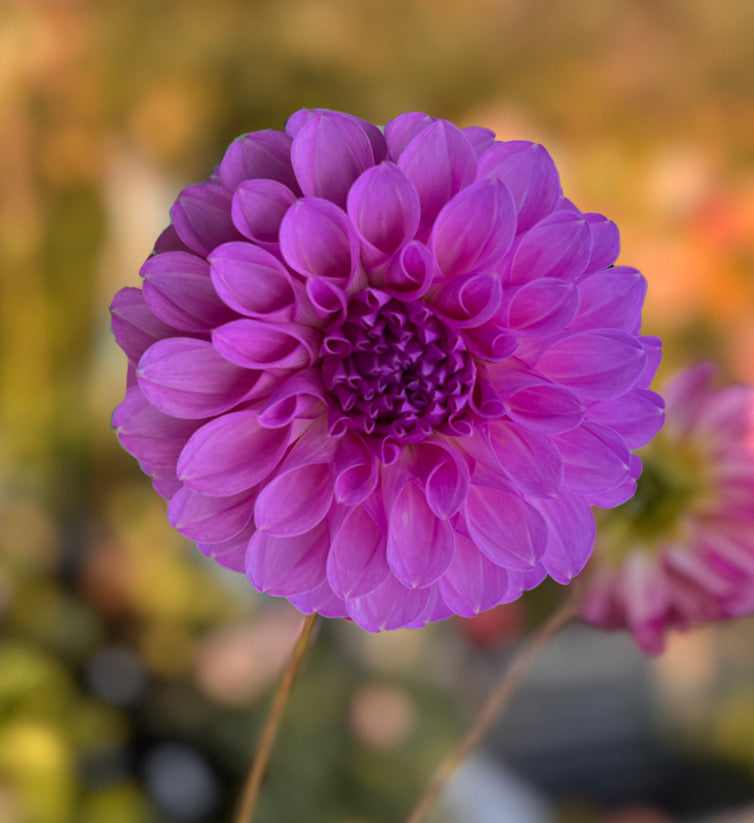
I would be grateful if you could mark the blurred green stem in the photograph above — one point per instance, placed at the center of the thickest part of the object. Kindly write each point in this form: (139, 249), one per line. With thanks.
(496, 704)
(269, 733)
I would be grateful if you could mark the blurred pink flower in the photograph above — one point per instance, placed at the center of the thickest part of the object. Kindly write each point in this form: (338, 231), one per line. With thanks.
(681, 551)
(387, 374)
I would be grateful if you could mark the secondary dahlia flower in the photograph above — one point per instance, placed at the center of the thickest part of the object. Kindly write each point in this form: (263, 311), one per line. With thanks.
(386, 373)
(681, 552)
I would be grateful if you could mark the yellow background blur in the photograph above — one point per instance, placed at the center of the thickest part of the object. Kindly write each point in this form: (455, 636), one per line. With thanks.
(130, 668)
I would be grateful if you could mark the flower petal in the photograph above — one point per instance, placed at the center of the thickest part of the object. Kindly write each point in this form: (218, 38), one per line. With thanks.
(546, 408)
(605, 242)
(469, 300)
(201, 216)
(558, 246)
(390, 606)
(184, 377)
(286, 566)
(210, 519)
(530, 459)
(594, 458)
(543, 306)
(357, 564)
(400, 131)
(231, 453)
(419, 544)
(571, 533)
(258, 208)
(265, 153)
(294, 501)
(611, 299)
(636, 416)
(134, 326)
(445, 475)
(259, 344)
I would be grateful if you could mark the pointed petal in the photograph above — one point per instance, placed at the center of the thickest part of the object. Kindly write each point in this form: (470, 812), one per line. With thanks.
(546, 408)
(258, 208)
(286, 566)
(210, 519)
(295, 500)
(636, 416)
(201, 216)
(599, 365)
(357, 564)
(530, 459)
(558, 246)
(390, 606)
(184, 377)
(571, 532)
(505, 528)
(420, 545)
(542, 306)
(605, 242)
(322, 601)
(400, 131)
(134, 326)
(475, 229)
(611, 299)
(259, 344)
(594, 458)
(265, 153)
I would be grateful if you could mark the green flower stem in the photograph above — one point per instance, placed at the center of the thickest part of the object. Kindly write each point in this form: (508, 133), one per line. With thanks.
(493, 709)
(269, 733)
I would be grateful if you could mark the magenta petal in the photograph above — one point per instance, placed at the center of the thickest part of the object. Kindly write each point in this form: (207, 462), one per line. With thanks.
(419, 544)
(327, 300)
(210, 519)
(409, 273)
(571, 532)
(184, 377)
(505, 528)
(322, 601)
(439, 161)
(134, 326)
(295, 500)
(530, 174)
(400, 131)
(201, 216)
(384, 206)
(599, 365)
(605, 242)
(445, 475)
(299, 397)
(470, 300)
(286, 566)
(317, 238)
(472, 583)
(558, 246)
(542, 306)
(545, 408)
(258, 207)
(636, 416)
(530, 459)
(179, 291)
(594, 458)
(356, 471)
(475, 229)
(264, 153)
(169, 241)
(328, 153)
(611, 299)
(231, 453)
(148, 434)
(491, 342)
(357, 564)
(252, 281)
(259, 344)
(390, 606)
(231, 554)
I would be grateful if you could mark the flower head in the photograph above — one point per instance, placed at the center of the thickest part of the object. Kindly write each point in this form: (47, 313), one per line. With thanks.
(681, 552)
(387, 373)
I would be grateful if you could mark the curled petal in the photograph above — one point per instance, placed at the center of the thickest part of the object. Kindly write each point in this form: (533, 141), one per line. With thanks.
(258, 208)
(530, 174)
(295, 501)
(384, 206)
(504, 527)
(356, 471)
(439, 161)
(184, 377)
(210, 519)
(409, 273)
(300, 397)
(201, 216)
(357, 564)
(445, 475)
(252, 281)
(327, 300)
(286, 566)
(230, 454)
(611, 299)
(317, 239)
(419, 543)
(558, 246)
(475, 229)
(258, 344)
(598, 365)
(328, 153)
(265, 153)
(542, 306)
(470, 300)
(490, 342)
(179, 291)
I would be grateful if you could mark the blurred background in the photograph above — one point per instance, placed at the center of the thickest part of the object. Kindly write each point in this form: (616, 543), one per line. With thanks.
(134, 673)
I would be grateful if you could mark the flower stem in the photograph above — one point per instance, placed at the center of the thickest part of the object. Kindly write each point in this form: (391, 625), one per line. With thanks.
(269, 733)
(493, 709)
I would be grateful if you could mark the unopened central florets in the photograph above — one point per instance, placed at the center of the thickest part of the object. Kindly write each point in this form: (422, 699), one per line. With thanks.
(394, 369)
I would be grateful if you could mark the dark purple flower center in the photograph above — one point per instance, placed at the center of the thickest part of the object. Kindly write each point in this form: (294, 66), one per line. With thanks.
(394, 369)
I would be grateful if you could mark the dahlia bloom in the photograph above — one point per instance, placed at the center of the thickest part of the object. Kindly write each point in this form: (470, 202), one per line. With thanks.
(387, 373)
(681, 552)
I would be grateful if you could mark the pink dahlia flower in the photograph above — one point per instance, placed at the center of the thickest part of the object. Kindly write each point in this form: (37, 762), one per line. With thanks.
(386, 373)
(681, 552)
